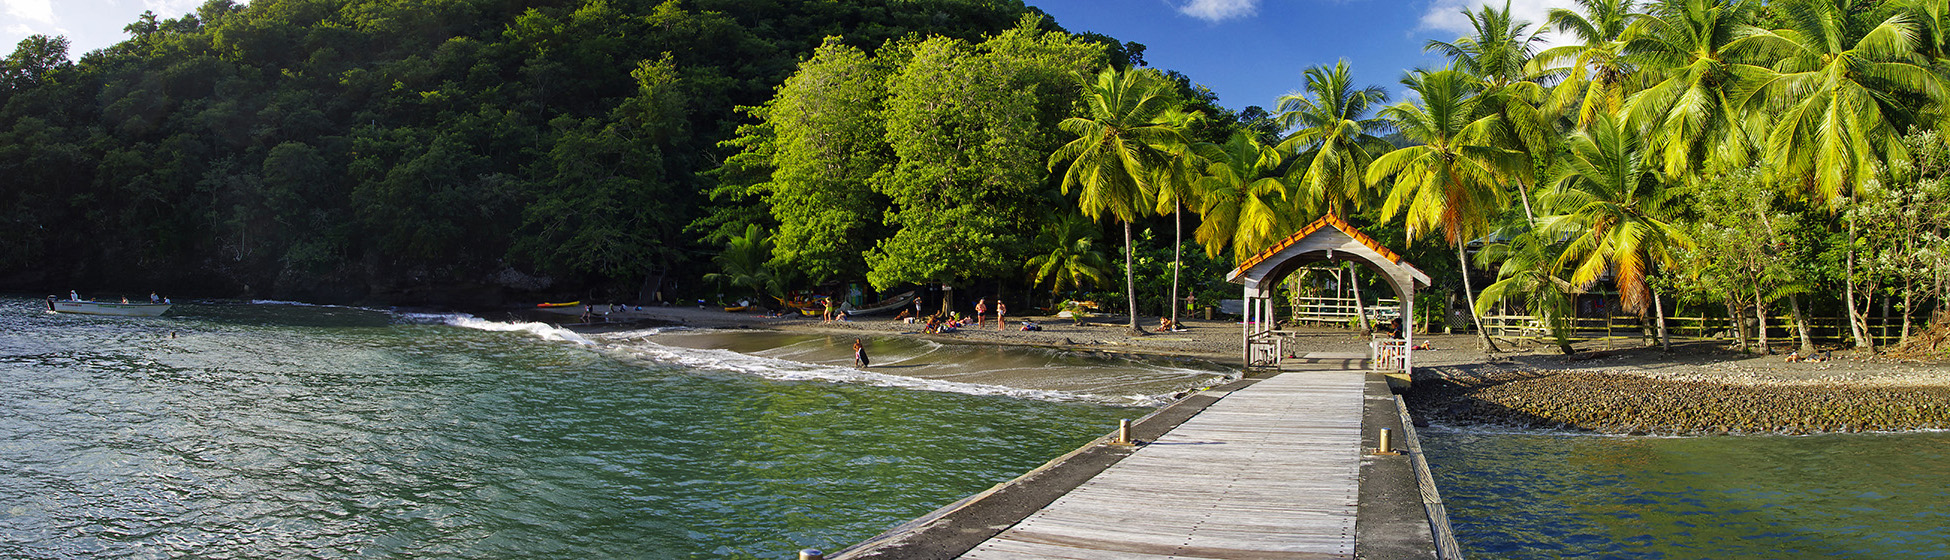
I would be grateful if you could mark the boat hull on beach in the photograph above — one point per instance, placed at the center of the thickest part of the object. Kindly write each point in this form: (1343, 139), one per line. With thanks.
(105, 308)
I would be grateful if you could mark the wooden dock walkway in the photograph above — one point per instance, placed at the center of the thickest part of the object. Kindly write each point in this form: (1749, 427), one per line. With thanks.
(1268, 471)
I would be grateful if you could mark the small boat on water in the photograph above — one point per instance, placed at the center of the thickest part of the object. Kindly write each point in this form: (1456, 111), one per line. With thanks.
(106, 308)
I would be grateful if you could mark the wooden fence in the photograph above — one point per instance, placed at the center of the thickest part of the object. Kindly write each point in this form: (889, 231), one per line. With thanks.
(1339, 310)
(1883, 330)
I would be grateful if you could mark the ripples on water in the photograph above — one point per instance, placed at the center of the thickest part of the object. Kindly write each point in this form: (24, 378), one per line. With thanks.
(311, 432)
(1531, 495)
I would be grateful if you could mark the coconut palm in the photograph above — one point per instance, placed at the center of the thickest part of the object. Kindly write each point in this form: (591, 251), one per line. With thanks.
(1119, 147)
(1176, 180)
(1687, 49)
(1451, 182)
(1529, 273)
(1073, 260)
(1499, 52)
(742, 264)
(1616, 211)
(1596, 72)
(1242, 206)
(1842, 81)
(1334, 139)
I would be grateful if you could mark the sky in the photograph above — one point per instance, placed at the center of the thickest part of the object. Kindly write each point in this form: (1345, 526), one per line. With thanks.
(1249, 52)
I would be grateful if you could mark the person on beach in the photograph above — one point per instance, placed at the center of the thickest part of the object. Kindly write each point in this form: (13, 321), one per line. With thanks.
(827, 317)
(859, 354)
(981, 308)
(1000, 311)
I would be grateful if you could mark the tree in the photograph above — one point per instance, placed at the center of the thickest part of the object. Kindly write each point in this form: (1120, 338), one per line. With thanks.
(830, 143)
(1450, 182)
(1615, 209)
(968, 126)
(1599, 72)
(744, 264)
(1242, 205)
(1119, 147)
(1688, 50)
(1176, 179)
(1073, 260)
(1530, 273)
(1332, 143)
(1840, 80)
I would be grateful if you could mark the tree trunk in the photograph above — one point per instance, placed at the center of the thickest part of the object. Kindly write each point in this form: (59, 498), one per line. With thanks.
(1665, 337)
(1801, 326)
(1469, 296)
(1177, 255)
(947, 299)
(1130, 281)
(1760, 315)
(1524, 193)
(1360, 308)
(1856, 325)
(1737, 314)
(1908, 299)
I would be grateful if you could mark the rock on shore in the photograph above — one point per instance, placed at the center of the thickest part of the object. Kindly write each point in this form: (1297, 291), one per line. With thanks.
(1634, 404)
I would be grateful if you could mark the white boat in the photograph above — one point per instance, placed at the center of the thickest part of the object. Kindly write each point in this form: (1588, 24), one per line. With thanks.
(106, 308)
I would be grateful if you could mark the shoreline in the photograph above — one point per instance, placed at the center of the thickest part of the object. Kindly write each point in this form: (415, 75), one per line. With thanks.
(1700, 388)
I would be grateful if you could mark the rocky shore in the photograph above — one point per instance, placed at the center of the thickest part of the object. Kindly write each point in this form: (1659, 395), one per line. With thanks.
(1634, 404)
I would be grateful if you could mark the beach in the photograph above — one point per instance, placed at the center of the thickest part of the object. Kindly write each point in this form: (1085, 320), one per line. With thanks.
(1701, 387)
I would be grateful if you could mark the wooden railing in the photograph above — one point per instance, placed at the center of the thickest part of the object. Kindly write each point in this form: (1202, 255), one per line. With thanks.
(1388, 354)
(1624, 327)
(1341, 311)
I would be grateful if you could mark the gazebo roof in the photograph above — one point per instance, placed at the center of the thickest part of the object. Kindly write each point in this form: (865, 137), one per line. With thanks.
(1298, 243)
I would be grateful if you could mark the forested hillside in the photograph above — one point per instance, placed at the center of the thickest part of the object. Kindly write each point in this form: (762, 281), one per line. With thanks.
(412, 150)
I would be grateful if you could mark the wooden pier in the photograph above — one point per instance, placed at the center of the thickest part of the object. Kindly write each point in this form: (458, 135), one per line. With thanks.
(1267, 472)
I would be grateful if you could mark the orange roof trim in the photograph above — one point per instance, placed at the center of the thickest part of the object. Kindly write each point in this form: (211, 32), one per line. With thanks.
(1324, 221)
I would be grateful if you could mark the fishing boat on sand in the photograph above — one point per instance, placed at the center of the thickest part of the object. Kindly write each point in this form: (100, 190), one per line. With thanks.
(124, 309)
(883, 306)
(564, 304)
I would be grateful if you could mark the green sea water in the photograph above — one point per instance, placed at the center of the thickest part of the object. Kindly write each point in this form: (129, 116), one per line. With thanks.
(286, 431)
(1846, 496)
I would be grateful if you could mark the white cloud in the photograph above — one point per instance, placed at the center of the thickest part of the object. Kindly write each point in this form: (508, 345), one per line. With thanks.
(37, 11)
(1219, 10)
(171, 9)
(1447, 15)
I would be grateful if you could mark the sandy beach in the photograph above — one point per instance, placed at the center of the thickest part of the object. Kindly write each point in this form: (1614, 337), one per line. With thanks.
(1700, 387)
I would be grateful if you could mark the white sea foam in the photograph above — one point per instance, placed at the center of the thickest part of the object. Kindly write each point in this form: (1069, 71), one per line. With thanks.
(543, 331)
(303, 304)
(787, 370)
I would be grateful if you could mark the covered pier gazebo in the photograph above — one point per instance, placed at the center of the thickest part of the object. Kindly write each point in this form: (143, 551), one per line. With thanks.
(1328, 239)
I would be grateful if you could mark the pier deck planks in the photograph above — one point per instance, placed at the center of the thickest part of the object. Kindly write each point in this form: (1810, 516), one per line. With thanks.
(1269, 471)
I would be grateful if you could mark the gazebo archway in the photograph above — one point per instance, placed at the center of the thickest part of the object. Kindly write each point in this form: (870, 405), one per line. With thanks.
(1328, 239)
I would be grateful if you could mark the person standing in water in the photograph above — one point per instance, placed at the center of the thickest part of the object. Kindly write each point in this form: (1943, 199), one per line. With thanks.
(859, 354)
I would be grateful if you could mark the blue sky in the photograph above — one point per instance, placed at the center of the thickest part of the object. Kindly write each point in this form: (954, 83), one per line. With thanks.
(1248, 51)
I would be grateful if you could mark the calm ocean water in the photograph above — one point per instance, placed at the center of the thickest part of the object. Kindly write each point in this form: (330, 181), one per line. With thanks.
(1533, 495)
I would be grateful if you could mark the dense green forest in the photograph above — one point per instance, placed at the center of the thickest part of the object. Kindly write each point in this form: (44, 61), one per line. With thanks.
(416, 150)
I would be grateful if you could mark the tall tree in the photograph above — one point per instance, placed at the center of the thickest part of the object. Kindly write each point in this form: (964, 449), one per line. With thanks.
(1614, 207)
(1334, 139)
(829, 145)
(1120, 145)
(1452, 181)
(1242, 205)
(1688, 49)
(1596, 72)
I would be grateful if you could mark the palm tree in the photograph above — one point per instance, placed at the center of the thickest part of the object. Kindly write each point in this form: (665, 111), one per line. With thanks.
(1529, 272)
(1333, 140)
(1614, 208)
(1499, 52)
(1599, 70)
(1688, 49)
(1073, 260)
(1451, 182)
(1842, 80)
(1175, 181)
(1242, 206)
(743, 263)
(1113, 161)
